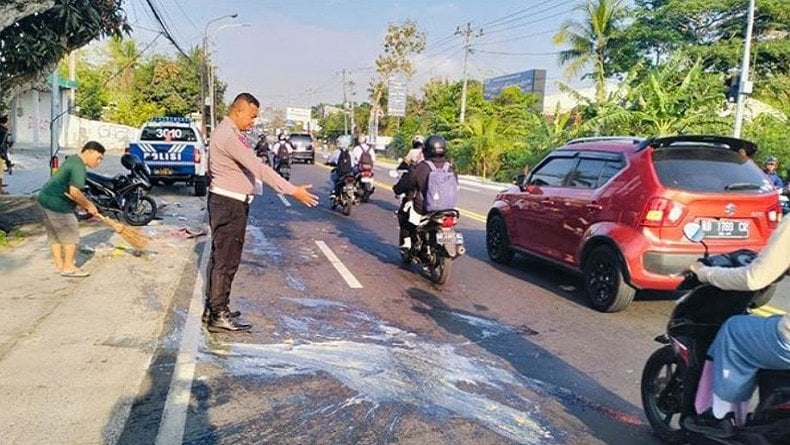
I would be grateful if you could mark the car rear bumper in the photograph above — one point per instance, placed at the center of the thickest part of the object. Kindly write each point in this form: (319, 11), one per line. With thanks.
(303, 155)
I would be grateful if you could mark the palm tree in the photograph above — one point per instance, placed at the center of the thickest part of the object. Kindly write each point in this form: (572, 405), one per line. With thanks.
(590, 41)
(487, 141)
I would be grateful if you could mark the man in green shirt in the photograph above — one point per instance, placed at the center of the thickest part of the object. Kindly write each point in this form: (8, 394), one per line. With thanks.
(62, 230)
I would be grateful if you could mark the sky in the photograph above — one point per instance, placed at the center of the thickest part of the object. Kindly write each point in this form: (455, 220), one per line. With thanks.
(292, 53)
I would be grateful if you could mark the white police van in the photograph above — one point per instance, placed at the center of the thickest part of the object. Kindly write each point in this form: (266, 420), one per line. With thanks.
(174, 150)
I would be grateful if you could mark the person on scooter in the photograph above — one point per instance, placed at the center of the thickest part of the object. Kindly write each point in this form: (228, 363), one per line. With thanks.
(344, 165)
(745, 343)
(282, 149)
(414, 185)
(363, 156)
(414, 156)
(262, 149)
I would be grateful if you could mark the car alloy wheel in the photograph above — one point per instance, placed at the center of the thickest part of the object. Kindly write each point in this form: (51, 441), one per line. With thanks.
(604, 280)
(497, 241)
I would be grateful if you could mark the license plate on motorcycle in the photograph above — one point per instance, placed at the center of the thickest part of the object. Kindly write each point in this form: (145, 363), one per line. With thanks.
(450, 237)
(366, 179)
(163, 171)
(722, 228)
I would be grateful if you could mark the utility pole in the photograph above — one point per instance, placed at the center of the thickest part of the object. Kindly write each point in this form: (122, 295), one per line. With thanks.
(351, 93)
(467, 33)
(744, 86)
(345, 104)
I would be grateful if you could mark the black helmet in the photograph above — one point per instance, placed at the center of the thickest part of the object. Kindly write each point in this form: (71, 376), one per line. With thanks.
(435, 147)
(417, 142)
(129, 161)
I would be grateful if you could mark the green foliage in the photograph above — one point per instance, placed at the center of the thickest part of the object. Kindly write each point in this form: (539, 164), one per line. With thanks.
(36, 42)
(770, 134)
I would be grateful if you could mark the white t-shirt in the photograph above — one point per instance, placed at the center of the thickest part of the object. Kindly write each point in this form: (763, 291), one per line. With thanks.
(357, 153)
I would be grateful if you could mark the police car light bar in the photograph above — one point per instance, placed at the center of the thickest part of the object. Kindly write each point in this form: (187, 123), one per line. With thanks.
(174, 119)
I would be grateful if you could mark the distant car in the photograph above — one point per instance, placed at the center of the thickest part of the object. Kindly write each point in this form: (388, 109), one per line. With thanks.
(303, 147)
(174, 150)
(614, 210)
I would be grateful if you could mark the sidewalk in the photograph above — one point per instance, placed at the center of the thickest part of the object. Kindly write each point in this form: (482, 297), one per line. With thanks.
(75, 352)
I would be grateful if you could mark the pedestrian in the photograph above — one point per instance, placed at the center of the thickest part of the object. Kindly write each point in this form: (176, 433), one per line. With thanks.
(59, 219)
(771, 164)
(5, 145)
(233, 169)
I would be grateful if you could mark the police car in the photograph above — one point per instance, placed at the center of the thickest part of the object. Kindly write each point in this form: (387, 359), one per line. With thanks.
(174, 150)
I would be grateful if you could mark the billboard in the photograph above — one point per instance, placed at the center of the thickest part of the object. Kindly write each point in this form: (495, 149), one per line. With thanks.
(396, 101)
(532, 81)
(297, 114)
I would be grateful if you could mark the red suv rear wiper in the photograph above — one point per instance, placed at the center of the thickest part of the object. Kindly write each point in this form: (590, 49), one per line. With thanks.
(742, 186)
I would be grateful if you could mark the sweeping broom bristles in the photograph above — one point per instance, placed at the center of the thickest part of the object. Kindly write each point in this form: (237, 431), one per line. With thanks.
(132, 236)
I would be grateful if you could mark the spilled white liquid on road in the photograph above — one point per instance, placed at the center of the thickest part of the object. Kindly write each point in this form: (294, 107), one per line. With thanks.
(383, 364)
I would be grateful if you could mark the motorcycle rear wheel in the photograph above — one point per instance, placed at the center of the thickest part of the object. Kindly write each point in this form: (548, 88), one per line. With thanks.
(439, 272)
(662, 389)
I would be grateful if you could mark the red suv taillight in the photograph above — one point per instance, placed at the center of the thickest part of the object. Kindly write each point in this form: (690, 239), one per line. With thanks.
(662, 212)
(774, 215)
(197, 156)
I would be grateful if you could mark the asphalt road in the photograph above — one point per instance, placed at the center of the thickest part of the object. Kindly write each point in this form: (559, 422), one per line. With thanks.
(378, 354)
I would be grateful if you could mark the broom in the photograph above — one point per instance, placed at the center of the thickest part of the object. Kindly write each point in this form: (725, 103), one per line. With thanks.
(134, 237)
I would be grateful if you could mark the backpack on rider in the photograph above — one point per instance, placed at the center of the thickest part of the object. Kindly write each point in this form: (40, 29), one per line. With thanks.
(344, 166)
(365, 159)
(282, 150)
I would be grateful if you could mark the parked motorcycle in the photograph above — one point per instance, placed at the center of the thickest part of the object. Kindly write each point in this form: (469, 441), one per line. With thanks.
(345, 195)
(364, 184)
(124, 194)
(671, 375)
(436, 242)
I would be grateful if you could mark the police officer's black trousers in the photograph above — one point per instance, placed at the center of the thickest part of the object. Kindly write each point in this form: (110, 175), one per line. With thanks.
(228, 221)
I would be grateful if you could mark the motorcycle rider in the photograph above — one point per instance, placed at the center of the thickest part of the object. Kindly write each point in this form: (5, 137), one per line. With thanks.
(362, 153)
(414, 185)
(344, 165)
(263, 150)
(745, 343)
(771, 163)
(282, 150)
(414, 156)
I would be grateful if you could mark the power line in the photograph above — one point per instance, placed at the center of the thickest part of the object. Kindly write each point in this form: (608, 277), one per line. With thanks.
(165, 30)
(517, 13)
(521, 25)
(526, 36)
(134, 59)
(506, 53)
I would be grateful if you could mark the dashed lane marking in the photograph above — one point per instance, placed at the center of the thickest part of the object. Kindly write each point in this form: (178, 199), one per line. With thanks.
(174, 415)
(339, 266)
(285, 201)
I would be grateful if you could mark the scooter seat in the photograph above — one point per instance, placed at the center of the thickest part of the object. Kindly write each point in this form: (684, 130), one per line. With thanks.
(103, 180)
(774, 374)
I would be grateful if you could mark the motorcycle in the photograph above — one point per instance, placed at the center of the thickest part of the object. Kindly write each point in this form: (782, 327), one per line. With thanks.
(436, 243)
(345, 195)
(124, 194)
(364, 184)
(671, 375)
(283, 167)
(784, 199)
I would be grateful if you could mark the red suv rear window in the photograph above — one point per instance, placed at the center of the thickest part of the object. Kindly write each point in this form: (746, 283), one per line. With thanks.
(701, 169)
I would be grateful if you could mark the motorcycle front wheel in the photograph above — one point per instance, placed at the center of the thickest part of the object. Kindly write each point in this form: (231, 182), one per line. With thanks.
(662, 395)
(139, 211)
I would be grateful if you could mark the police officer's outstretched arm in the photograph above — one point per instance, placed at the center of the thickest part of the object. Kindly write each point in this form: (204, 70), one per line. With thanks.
(244, 113)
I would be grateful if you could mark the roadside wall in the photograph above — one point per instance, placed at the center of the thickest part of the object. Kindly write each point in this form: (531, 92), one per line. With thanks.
(77, 131)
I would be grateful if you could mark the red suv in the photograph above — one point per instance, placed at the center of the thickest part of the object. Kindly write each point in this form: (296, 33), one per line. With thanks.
(614, 209)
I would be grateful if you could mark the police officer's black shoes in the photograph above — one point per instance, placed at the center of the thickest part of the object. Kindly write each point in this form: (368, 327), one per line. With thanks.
(224, 322)
(207, 314)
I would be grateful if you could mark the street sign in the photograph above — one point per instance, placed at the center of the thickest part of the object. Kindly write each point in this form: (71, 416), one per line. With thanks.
(297, 114)
(396, 102)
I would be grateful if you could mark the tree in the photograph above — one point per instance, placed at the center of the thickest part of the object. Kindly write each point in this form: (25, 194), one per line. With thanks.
(36, 35)
(400, 44)
(591, 41)
(676, 98)
(485, 142)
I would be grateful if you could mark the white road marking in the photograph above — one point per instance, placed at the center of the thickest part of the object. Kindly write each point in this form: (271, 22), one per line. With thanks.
(339, 266)
(285, 201)
(174, 415)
